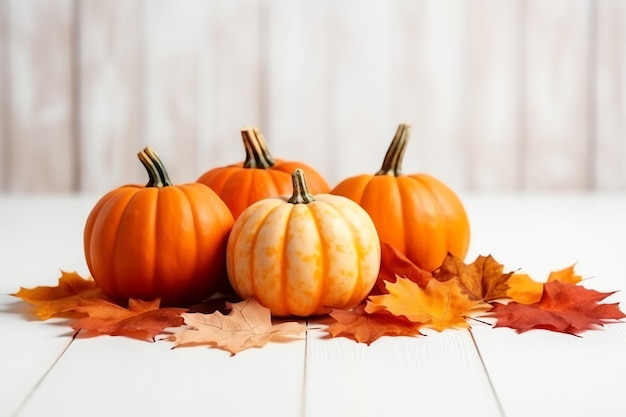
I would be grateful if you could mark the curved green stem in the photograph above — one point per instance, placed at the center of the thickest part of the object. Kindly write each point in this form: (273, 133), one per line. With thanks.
(158, 176)
(257, 153)
(392, 164)
(301, 193)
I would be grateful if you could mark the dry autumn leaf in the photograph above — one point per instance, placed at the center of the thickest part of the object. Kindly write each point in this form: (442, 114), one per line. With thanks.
(441, 305)
(393, 263)
(366, 328)
(563, 307)
(142, 320)
(53, 301)
(248, 325)
(483, 279)
(523, 289)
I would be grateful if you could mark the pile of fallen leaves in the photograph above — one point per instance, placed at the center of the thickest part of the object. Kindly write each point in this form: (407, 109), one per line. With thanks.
(405, 300)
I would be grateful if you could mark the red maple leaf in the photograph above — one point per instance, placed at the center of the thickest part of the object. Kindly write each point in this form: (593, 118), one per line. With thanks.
(395, 264)
(563, 307)
(141, 320)
(362, 327)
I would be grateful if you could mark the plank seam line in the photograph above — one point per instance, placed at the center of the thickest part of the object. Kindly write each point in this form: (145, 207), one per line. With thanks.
(489, 380)
(303, 404)
(20, 408)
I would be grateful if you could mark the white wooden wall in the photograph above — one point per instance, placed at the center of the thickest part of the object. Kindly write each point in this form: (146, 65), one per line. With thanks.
(502, 94)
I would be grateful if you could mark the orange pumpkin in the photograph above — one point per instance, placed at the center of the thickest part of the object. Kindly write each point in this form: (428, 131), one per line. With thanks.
(304, 254)
(159, 240)
(259, 176)
(417, 214)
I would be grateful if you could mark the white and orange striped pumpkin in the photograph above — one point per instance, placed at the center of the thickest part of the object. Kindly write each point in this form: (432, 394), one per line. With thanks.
(303, 254)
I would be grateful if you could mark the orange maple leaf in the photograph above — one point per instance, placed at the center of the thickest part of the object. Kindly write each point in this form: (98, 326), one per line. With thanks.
(142, 320)
(441, 305)
(366, 328)
(54, 301)
(563, 307)
(483, 279)
(525, 290)
(249, 324)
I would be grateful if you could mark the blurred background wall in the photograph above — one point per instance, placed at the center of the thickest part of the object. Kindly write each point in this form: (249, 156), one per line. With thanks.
(502, 95)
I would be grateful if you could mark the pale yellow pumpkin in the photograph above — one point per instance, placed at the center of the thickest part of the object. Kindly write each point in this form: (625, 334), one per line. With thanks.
(302, 254)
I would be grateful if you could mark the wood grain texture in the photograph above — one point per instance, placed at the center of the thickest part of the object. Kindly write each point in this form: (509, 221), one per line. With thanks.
(111, 123)
(555, 114)
(609, 101)
(182, 381)
(397, 376)
(297, 47)
(42, 131)
(502, 95)
(358, 112)
(490, 137)
(170, 67)
(4, 95)
(230, 83)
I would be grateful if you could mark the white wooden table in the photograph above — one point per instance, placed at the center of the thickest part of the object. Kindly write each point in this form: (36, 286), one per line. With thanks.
(481, 372)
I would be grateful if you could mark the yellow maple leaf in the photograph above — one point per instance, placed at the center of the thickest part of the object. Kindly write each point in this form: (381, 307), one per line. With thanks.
(52, 301)
(441, 305)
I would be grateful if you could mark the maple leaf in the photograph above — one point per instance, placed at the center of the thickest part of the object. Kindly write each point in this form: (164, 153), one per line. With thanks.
(440, 305)
(394, 263)
(366, 328)
(248, 325)
(483, 279)
(53, 301)
(525, 290)
(563, 307)
(142, 320)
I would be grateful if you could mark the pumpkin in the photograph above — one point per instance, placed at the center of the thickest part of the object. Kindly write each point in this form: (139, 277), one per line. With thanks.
(417, 214)
(258, 177)
(303, 254)
(159, 240)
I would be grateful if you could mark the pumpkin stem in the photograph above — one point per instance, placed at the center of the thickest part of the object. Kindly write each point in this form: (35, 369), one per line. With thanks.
(257, 153)
(392, 164)
(301, 193)
(158, 176)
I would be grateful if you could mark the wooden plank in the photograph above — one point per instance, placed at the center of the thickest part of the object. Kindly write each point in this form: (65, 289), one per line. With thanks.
(358, 113)
(110, 94)
(170, 67)
(32, 249)
(26, 358)
(42, 153)
(562, 374)
(490, 137)
(610, 96)
(555, 80)
(119, 376)
(296, 83)
(428, 64)
(397, 376)
(4, 95)
(230, 86)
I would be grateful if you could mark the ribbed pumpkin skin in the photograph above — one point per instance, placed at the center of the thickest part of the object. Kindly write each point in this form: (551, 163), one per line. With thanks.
(149, 242)
(239, 187)
(259, 176)
(416, 213)
(302, 259)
